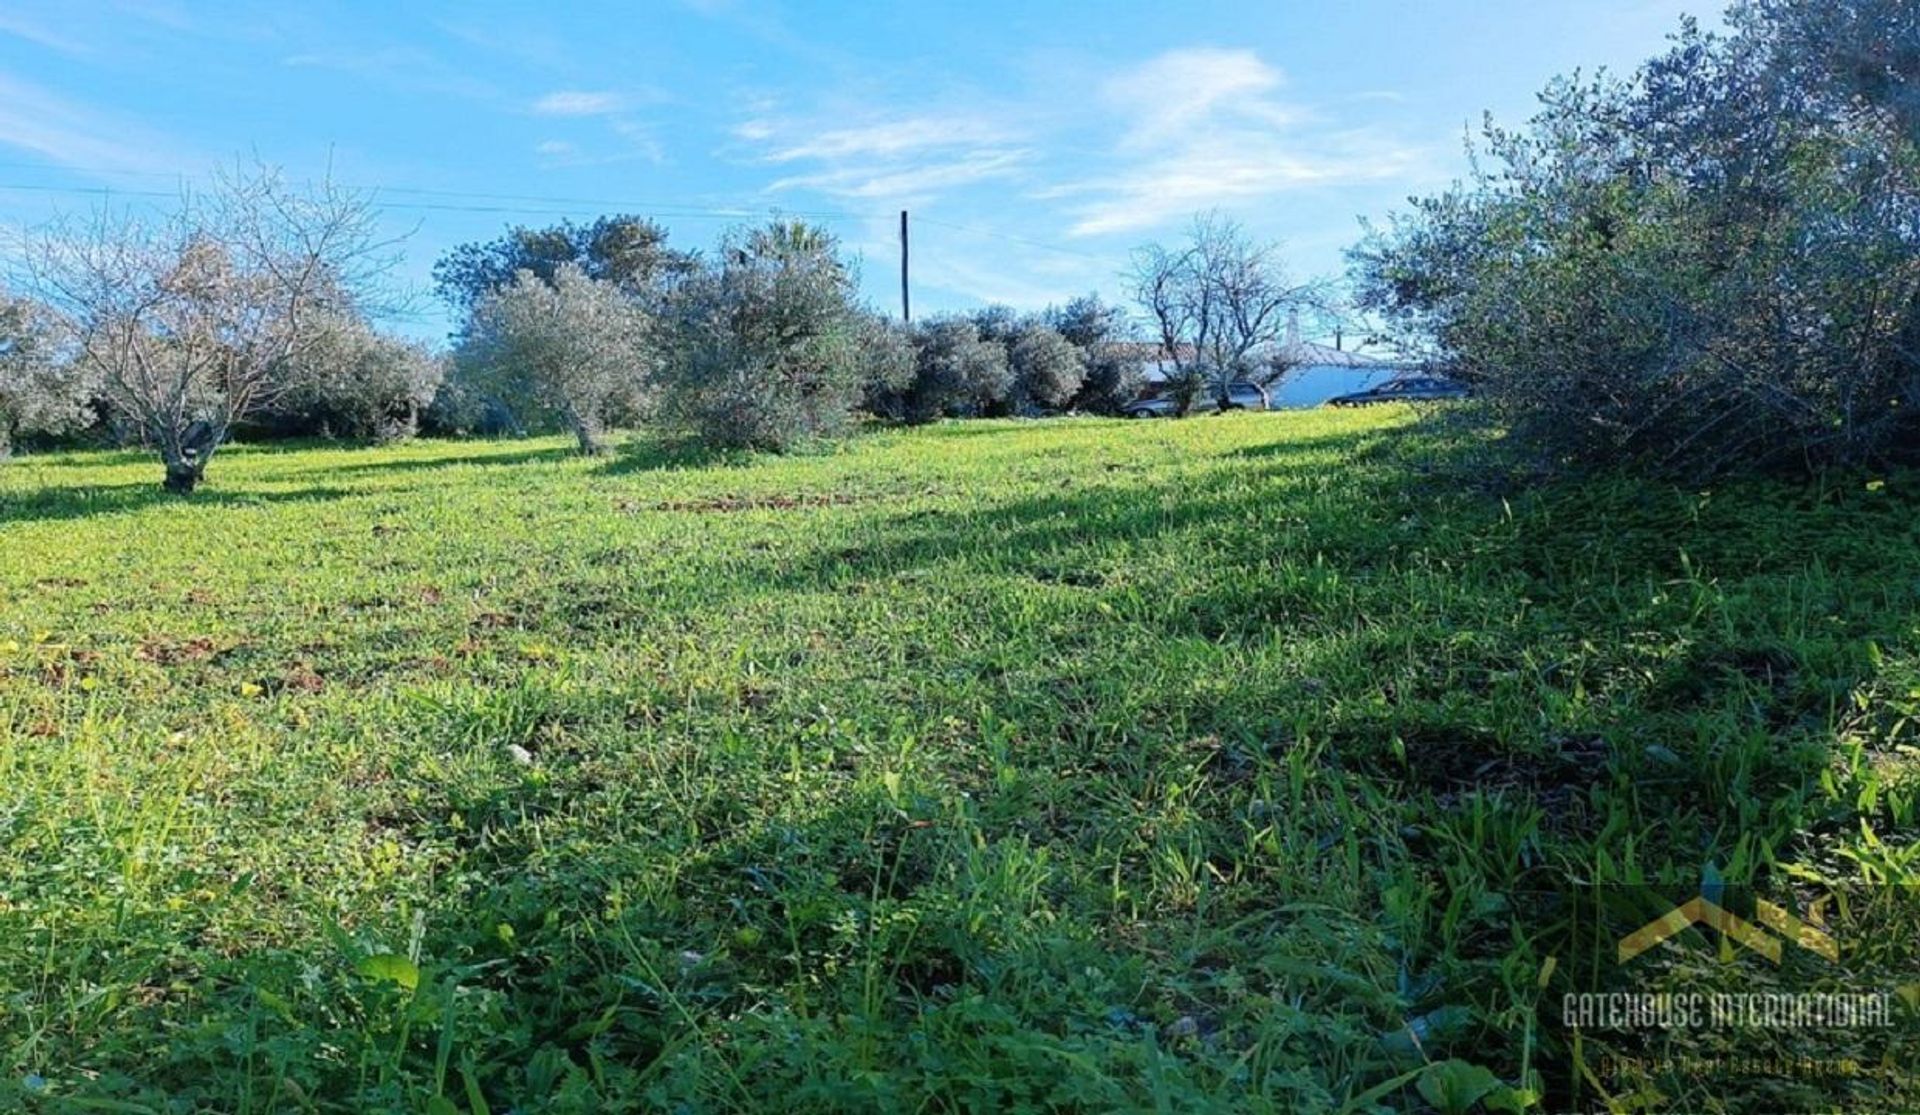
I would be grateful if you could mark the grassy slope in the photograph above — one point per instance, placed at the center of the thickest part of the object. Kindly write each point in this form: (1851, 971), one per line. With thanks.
(1086, 764)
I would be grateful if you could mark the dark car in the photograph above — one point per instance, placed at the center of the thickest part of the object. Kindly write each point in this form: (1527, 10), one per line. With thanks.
(1406, 389)
(1240, 396)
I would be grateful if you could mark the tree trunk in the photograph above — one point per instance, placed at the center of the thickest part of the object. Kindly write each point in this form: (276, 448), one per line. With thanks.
(588, 434)
(183, 475)
(1187, 386)
(186, 453)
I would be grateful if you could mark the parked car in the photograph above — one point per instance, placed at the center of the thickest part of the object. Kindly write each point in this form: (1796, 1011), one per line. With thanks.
(1240, 396)
(1406, 389)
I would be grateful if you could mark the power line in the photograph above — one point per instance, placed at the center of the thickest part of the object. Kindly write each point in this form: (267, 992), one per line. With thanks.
(536, 205)
(687, 212)
(662, 208)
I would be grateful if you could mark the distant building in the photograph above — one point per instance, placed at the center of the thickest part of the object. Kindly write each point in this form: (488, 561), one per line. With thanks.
(1315, 372)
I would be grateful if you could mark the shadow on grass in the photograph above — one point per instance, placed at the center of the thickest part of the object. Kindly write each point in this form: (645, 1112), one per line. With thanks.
(424, 464)
(1413, 585)
(1370, 443)
(85, 458)
(667, 455)
(957, 428)
(62, 504)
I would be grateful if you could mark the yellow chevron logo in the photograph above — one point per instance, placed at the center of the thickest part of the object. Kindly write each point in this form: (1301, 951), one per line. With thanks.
(1699, 911)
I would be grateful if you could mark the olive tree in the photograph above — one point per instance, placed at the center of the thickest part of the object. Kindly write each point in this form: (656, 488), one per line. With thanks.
(185, 319)
(1712, 264)
(1115, 374)
(887, 356)
(1047, 368)
(770, 342)
(571, 347)
(40, 391)
(1215, 302)
(356, 382)
(956, 373)
(628, 251)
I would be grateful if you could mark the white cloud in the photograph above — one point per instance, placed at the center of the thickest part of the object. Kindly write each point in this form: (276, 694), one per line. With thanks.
(897, 159)
(905, 182)
(578, 102)
(1170, 95)
(889, 138)
(1223, 171)
(641, 138)
(1122, 150)
(36, 120)
(22, 26)
(555, 149)
(1203, 128)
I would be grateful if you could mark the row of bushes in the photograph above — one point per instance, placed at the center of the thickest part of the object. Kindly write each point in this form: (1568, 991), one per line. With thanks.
(1710, 265)
(764, 344)
(580, 328)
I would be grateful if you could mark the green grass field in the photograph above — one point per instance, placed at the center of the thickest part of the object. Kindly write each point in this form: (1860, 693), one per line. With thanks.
(996, 766)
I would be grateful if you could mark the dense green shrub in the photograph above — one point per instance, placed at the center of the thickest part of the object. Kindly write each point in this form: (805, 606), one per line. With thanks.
(39, 392)
(1047, 369)
(1115, 375)
(1714, 264)
(574, 350)
(889, 359)
(956, 373)
(356, 383)
(767, 342)
(628, 251)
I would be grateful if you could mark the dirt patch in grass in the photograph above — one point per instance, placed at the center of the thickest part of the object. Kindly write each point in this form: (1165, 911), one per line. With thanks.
(164, 651)
(727, 504)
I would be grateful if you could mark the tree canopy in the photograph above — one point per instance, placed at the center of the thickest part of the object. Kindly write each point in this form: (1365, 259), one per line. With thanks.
(628, 251)
(1714, 263)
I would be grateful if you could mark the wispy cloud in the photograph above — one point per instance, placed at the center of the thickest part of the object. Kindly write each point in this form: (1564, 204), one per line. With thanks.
(899, 158)
(888, 138)
(34, 119)
(1220, 171)
(608, 110)
(1199, 128)
(1178, 132)
(907, 182)
(1167, 98)
(20, 25)
(580, 102)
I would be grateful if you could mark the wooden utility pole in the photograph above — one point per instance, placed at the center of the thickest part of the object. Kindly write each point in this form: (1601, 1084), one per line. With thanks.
(906, 307)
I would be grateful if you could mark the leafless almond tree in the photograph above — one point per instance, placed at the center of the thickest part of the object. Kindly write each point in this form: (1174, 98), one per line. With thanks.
(184, 317)
(1216, 303)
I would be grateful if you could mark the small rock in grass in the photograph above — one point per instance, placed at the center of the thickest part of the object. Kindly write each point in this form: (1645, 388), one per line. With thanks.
(520, 754)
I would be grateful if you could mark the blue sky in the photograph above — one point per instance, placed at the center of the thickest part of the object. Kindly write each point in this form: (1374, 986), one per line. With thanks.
(1035, 143)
